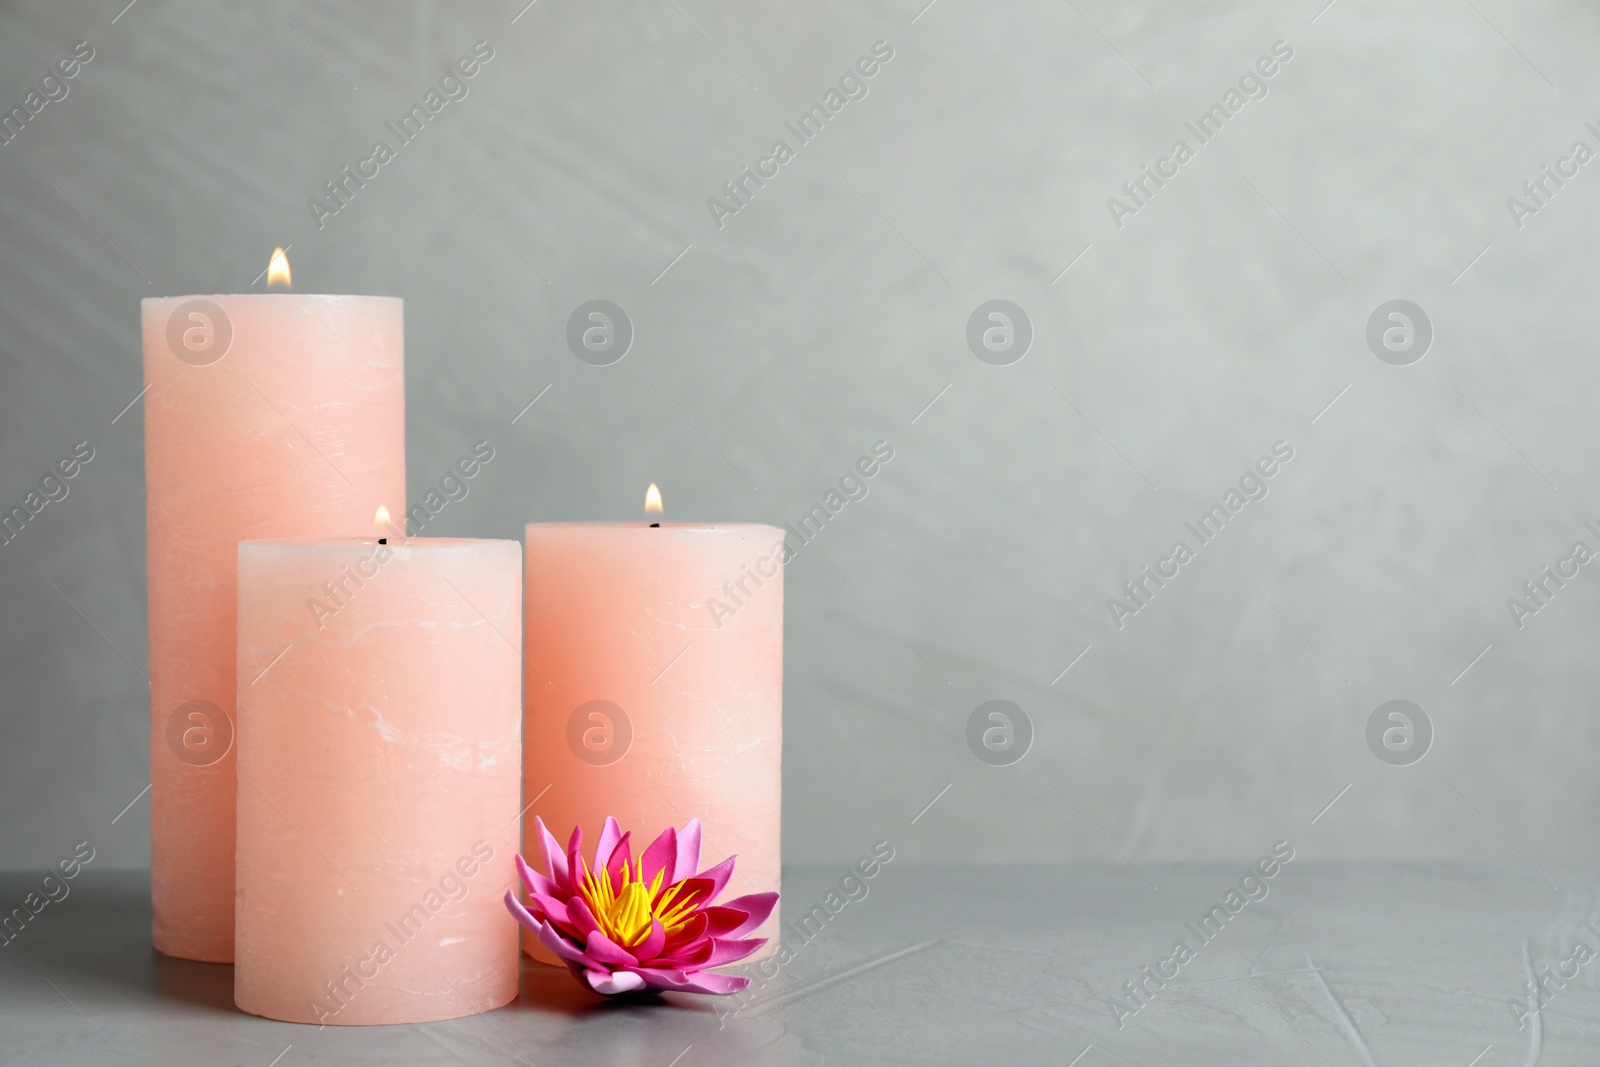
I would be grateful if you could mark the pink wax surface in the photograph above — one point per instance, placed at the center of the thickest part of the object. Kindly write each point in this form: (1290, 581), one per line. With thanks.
(265, 415)
(624, 613)
(380, 773)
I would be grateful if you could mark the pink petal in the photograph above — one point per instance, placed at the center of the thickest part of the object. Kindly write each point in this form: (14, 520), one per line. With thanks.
(712, 982)
(610, 834)
(612, 983)
(566, 950)
(554, 910)
(555, 861)
(688, 862)
(534, 881)
(690, 956)
(758, 905)
(621, 856)
(723, 919)
(581, 917)
(718, 876)
(694, 928)
(663, 977)
(699, 890)
(653, 942)
(608, 952)
(662, 854)
(520, 913)
(574, 859)
(726, 951)
(694, 893)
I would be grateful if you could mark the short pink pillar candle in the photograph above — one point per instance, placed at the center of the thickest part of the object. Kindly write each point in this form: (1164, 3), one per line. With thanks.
(266, 415)
(654, 689)
(380, 772)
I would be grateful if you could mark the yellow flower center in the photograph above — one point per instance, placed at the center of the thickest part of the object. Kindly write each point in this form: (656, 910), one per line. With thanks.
(624, 914)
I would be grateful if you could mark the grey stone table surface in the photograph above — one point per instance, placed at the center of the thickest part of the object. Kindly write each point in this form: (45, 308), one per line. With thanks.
(1426, 964)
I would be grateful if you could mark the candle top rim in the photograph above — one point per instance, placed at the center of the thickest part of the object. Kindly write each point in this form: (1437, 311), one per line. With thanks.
(270, 296)
(265, 544)
(657, 526)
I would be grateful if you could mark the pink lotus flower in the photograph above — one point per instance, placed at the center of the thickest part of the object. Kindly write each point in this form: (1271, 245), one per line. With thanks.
(625, 926)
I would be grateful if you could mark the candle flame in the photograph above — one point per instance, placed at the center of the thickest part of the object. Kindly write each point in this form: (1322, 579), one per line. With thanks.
(278, 269)
(652, 500)
(382, 517)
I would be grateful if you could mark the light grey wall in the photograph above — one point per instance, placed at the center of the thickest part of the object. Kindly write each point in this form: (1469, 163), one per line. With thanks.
(828, 313)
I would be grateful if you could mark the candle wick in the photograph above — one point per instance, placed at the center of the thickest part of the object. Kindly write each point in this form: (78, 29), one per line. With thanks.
(383, 540)
(655, 526)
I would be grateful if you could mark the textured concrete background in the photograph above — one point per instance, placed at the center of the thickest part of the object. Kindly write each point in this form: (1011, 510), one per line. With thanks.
(830, 312)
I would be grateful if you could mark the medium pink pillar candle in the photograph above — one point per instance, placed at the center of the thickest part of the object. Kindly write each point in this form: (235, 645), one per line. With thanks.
(654, 689)
(380, 771)
(265, 415)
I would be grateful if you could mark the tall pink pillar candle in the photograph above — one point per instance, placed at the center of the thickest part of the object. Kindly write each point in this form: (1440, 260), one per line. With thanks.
(380, 774)
(265, 415)
(654, 689)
